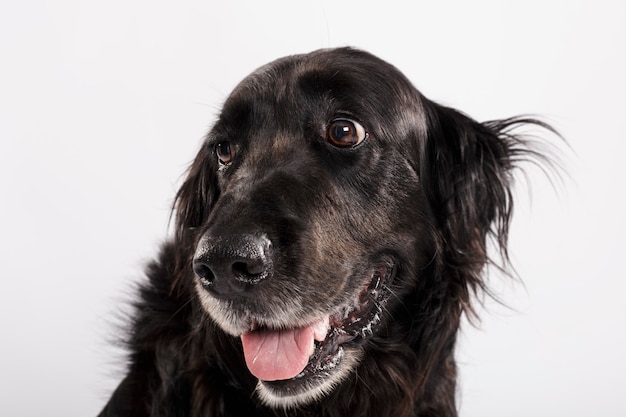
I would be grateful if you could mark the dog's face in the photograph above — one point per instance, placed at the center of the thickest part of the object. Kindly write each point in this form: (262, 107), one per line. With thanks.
(316, 205)
(329, 236)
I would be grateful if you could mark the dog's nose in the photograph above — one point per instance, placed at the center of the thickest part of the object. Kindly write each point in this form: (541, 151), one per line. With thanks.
(231, 264)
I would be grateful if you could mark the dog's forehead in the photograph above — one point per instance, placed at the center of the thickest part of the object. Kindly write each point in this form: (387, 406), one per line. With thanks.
(326, 67)
(307, 91)
(344, 75)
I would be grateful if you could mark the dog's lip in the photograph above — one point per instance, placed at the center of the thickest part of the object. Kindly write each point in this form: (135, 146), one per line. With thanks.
(358, 318)
(345, 320)
(352, 321)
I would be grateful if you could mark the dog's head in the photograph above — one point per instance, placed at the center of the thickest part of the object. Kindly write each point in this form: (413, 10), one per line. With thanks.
(332, 206)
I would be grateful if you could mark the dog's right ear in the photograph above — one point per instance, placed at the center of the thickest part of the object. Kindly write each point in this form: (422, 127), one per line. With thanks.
(197, 194)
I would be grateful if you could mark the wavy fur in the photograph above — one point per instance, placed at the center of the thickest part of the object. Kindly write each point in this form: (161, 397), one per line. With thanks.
(427, 190)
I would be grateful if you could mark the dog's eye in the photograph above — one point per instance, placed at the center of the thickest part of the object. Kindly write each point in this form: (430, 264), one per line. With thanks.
(345, 133)
(224, 152)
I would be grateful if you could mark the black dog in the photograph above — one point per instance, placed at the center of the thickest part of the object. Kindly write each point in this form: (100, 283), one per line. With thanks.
(330, 234)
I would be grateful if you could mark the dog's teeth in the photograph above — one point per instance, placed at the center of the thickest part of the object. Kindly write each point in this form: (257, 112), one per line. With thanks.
(312, 350)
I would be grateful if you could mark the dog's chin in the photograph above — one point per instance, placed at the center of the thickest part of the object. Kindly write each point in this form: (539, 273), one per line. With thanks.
(312, 384)
(333, 358)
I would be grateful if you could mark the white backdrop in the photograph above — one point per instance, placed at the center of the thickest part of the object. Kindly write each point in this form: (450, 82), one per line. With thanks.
(103, 104)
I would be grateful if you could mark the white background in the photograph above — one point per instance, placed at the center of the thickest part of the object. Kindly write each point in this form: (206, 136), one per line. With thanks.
(103, 105)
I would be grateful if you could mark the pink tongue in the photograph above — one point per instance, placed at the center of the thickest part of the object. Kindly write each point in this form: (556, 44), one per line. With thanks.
(280, 354)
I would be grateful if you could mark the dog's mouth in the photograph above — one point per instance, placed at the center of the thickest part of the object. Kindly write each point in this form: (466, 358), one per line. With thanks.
(290, 362)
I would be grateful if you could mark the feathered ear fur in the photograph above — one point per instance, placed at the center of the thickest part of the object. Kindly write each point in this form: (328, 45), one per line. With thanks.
(468, 177)
(196, 196)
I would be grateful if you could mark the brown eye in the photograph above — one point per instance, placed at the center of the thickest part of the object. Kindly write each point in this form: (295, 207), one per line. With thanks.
(225, 152)
(345, 133)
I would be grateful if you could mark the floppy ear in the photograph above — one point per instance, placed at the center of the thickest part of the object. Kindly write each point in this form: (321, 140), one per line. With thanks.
(467, 177)
(197, 194)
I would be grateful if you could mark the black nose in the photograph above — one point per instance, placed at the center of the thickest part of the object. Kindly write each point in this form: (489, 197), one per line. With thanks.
(231, 264)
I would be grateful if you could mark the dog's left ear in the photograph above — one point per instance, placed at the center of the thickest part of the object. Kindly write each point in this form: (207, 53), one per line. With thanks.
(197, 194)
(467, 175)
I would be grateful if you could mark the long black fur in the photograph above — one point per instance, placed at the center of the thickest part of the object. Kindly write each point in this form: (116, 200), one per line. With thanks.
(430, 187)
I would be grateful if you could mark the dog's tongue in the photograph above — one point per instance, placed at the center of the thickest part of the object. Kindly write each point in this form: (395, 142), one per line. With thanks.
(281, 354)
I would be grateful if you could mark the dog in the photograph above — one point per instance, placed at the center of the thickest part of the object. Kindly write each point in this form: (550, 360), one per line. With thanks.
(329, 236)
